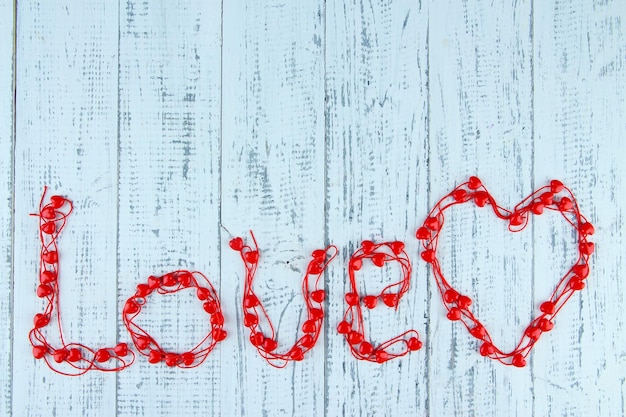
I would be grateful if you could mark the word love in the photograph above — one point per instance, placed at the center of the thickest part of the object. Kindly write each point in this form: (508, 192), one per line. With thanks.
(76, 358)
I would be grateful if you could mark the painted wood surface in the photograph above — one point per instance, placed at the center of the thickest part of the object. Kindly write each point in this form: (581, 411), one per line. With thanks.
(176, 125)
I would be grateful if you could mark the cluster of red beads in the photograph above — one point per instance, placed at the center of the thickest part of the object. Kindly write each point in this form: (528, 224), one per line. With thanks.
(71, 358)
(352, 326)
(254, 313)
(169, 284)
(554, 196)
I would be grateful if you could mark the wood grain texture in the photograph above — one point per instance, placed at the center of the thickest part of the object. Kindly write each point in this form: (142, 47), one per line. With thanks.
(7, 42)
(481, 124)
(272, 183)
(169, 192)
(377, 110)
(580, 110)
(66, 139)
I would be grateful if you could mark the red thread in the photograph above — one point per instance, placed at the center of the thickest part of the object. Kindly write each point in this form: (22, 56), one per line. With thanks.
(254, 312)
(171, 283)
(554, 196)
(352, 324)
(71, 359)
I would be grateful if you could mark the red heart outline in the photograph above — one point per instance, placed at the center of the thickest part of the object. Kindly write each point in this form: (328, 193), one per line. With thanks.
(554, 196)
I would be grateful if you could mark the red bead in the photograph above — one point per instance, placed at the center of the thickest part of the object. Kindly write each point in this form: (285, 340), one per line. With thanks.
(154, 282)
(57, 201)
(48, 228)
(422, 233)
(414, 343)
(368, 246)
(463, 302)
(39, 351)
(155, 356)
(481, 198)
(44, 290)
(487, 349)
(556, 186)
(587, 229)
(318, 296)
(565, 204)
(210, 306)
(533, 332)
(296, 354)
(382, 356)
(537, 208)
(519, 361)
(47, 277)
(545, 325)
(450, 296)
(366, 348)
(143, 290)
(547, 307)
(316, 314)
(188, 358)
(547, 198)
(203, 293)
(370, 301)
(432, 223)
(252, 256)
(428, 255)
(343, 327)
(185, 279)
(217, 319)
(169, 280)
(250, 301)
(352, 298)
(586, 248)
(257, 339)
(250, 320)
(50, 257)
(454, 314)
(48, 213)
(309, 326)
(102, 355)
(459, 195)
(355, 338)
(378, 259)
(74, 355)
(41, 320)
(576, 283)
(319, 255)
(60, 355)
(516, 220)
(396, 247)
(356, 264)
(171, 359)
(474, 183)
(236, 243)
(121, 349)
(142, 342)
(131, 307)
(270, 344)
(307, 341)
(582, 270)
(390, 300)
(219, 334)
(315, 268)
(478, 331)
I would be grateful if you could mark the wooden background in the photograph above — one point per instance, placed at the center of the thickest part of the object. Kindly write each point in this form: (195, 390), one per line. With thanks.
(172, 124)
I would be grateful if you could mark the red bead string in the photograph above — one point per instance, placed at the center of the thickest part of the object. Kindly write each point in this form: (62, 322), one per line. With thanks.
(352, 326)
(254, 313)
(171, 283)
(70, 359)
(555, 197)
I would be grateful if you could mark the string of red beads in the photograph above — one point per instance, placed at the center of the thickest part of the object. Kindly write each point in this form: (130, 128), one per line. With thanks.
(70, 359)
(171, 283)
(254, 312)
(352, 326)
(555, 197)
